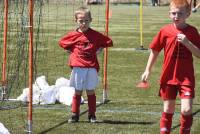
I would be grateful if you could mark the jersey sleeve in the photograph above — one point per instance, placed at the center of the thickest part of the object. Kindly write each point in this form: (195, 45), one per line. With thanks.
(68, 40)
(196, 38)
(105, 41)
(157, 42)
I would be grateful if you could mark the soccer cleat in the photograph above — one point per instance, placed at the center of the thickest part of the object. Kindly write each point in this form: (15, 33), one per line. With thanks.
(194, 10)
(92, 119)
(74, 118)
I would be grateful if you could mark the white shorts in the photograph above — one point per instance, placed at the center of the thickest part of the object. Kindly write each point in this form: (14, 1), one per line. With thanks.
(84, 78)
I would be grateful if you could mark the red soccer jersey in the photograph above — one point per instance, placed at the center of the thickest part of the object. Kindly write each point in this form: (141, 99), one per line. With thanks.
(178, 67)
(83, 47)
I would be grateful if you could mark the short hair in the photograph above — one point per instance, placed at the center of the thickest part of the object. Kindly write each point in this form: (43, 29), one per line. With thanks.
(82, 10)
(180, 4)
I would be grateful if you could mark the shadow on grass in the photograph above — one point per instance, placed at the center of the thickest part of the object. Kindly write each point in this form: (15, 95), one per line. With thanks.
(126, 122)
(50, 129)
(99, 122)
(65, 122)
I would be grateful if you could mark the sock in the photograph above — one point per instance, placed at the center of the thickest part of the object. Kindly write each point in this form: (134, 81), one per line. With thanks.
(186, 123)
(165, 123)
(92, 104)
(76, 101)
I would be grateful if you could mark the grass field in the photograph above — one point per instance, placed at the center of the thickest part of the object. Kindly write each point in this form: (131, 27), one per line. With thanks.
(129, 110)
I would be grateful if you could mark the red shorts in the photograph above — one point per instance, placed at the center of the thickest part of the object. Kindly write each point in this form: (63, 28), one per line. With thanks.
(169, 92)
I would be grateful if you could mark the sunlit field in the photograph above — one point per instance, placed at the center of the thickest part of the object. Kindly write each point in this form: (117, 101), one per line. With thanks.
(129, 110)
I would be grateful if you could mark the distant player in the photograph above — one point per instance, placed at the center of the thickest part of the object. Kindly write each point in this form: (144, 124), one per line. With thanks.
(195, 8)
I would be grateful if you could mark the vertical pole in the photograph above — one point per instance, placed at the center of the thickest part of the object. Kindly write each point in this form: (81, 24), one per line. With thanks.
(141, 25)
(3, 82)
(106, 56)
(5, 39)
(30, 66)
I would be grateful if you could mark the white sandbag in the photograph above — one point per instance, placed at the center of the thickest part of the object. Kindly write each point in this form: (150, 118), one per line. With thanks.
(36, 94)
(65, 95)
(48, 95)
(3, 130)
(62, 82)
(24, 97)
(45, 94)
(41, 82)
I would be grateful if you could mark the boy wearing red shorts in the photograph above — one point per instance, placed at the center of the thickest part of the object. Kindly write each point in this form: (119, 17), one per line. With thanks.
(180, 41)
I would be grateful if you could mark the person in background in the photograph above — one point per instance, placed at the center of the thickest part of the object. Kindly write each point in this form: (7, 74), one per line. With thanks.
(180, 41)
(84, 44)
(155, 2)
(194, 5)
(195, 8)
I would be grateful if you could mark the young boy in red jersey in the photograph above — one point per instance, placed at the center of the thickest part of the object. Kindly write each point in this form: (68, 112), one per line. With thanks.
(180, 41)
(84, 44)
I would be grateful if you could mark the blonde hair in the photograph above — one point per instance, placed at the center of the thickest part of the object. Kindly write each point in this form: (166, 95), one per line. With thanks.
(180, 4)
(83, 10)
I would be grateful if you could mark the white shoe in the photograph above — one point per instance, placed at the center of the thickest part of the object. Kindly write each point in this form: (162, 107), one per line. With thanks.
(194, 10)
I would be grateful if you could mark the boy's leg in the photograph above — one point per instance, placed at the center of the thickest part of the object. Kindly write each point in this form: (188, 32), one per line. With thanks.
(187, 94)
(195, 8)
(186, 117)
(91, 105)
(153, 2)
(166, 118)
(76, 101)
(76, 81)
(168, 94)
(91, 83)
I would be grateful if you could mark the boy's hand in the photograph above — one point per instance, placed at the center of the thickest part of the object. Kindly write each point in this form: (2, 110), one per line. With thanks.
(189, 45)
(143, 84)
(145, 76)
(182, 39)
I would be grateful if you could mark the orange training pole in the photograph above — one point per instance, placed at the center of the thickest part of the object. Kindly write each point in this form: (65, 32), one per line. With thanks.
(3, 81)
(30, 65)
(106, 55)
(5, 40)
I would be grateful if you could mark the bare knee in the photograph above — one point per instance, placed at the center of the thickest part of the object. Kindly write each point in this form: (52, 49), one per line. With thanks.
(186, 110)
(186, 106)
(169, 106)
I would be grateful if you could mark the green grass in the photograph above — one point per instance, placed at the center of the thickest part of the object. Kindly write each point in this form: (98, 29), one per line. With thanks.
(130, 110)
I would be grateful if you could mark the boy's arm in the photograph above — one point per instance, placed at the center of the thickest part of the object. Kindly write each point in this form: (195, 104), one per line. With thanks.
(106, 41)
(68, 40)
(99, 50)
(188, 44)
(152, 59)
(65, 43)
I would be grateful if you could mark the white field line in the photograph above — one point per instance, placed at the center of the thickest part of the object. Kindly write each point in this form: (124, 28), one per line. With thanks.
(128, 111)
(111, 111)
(118, 111)
(125, 49)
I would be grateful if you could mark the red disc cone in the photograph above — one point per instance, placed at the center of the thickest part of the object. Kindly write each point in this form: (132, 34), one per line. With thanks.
(143, 85)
